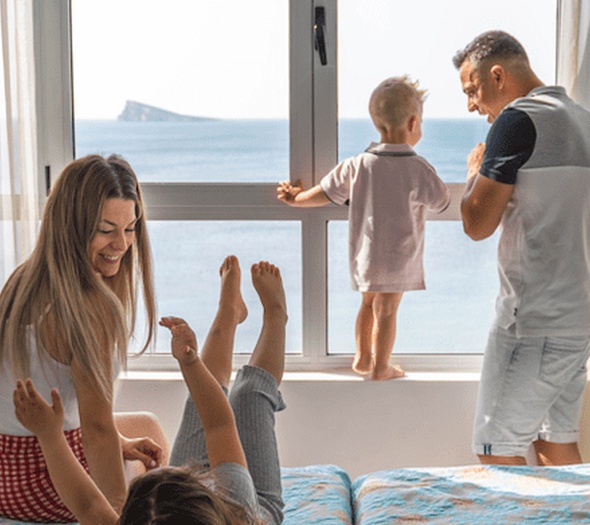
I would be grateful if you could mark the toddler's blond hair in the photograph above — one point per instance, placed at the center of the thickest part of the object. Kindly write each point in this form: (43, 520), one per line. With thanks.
(394, 101)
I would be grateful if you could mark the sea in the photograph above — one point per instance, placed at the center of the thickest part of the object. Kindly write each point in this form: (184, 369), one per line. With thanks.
(451, 317)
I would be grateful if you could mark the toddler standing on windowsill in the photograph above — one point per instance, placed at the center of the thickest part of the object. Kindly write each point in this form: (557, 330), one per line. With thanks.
(388, 188)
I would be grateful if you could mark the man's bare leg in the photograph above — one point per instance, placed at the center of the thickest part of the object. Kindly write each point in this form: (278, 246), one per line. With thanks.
(217, 351)
(269, 352)
(363, 359)
(385, 307)
(554, 454)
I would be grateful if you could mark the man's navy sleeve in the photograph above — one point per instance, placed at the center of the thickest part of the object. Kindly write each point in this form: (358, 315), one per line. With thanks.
(509, 145)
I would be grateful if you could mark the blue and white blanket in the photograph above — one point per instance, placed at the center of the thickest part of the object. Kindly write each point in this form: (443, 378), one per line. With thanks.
(474, 495)
(482, 495)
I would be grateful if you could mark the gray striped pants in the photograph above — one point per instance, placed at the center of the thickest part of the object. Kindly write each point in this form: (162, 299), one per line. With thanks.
(254, 398)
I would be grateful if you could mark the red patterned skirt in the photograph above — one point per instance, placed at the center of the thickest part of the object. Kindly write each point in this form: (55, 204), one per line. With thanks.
(26, 492)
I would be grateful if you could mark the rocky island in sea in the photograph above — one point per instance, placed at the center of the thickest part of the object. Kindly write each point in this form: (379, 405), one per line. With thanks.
(138, 112)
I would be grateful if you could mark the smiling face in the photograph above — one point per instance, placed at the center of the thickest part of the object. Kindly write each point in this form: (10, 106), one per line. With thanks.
(481, 90)
(114, 236)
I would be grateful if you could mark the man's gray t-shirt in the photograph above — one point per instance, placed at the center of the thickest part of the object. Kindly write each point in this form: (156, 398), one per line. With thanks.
(544, 249)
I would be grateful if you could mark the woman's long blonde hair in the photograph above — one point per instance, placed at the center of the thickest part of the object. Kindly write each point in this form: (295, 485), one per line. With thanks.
(74, 311)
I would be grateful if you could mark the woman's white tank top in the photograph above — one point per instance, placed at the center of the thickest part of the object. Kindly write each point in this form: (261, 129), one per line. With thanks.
(46, 374)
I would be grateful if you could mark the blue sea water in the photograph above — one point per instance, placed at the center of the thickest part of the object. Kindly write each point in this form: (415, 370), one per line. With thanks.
(452, 316)
(254, 150)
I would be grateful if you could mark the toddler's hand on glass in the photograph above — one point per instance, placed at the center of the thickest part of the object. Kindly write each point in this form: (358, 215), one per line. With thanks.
(287, 192)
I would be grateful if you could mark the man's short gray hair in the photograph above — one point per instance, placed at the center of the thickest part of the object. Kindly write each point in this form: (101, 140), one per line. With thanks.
(490, 45)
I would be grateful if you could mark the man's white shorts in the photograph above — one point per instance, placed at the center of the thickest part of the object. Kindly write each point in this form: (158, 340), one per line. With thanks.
(531, 388)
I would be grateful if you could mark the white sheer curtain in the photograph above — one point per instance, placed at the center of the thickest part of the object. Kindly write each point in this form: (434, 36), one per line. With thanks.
(18, 143)
(573, 49)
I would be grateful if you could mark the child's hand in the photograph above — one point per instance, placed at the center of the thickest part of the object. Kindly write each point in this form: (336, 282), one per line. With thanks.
(142, 449)
(184, 341)
(287, 192)
(34, 413)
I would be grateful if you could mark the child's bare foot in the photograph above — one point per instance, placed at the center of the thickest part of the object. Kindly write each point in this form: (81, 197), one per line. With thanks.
(391, 372)
(230, 296)
(269, 352)
(363, 363)
(267, 281)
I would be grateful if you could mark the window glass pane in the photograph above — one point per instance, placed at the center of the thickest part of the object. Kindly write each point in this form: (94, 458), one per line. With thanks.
(381, 38)
(224, 61)
(187, 257)
(453, 315)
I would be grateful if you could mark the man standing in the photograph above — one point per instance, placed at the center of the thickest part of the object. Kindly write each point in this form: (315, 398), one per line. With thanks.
(532, 177)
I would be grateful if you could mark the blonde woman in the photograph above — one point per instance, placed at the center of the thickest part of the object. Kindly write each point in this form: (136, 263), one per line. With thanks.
(227, 465)
(66, 316)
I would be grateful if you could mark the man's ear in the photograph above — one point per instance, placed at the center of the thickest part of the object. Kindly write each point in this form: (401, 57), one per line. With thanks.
(498, 75)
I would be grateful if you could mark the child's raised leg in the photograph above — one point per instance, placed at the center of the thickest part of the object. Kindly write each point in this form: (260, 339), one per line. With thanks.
(385, 306)
(255, 396)
(363, 359)
(216, 354)
(269, 352)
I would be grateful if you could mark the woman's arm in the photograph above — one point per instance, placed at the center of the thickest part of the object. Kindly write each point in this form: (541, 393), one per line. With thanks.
(219, 424)
(102, 446)
(72, 483)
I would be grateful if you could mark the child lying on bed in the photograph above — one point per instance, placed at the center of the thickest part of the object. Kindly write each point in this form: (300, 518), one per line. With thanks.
(235, 473)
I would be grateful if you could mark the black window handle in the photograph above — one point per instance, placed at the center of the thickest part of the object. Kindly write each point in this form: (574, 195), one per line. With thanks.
(319, 29)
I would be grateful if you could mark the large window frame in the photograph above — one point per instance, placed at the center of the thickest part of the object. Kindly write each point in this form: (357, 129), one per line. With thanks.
(313, 125)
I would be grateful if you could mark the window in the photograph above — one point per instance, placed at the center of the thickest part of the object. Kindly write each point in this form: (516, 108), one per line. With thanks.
(451, 317)
(188, 254)
(192, 92)
(267, 109)
(378, 39)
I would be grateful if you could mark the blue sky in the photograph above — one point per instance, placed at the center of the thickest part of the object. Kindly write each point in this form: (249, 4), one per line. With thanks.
(229, 58)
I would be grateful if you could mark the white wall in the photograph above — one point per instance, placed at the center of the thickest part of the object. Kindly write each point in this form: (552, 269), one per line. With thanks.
(424, 420)
(359, 425)
(362, 426)
(365, 426)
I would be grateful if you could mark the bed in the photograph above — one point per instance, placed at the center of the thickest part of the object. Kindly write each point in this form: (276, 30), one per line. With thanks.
(482, 495)
(459, 495)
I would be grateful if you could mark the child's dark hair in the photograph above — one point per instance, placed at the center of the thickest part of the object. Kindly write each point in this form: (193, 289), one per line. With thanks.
(180, 496)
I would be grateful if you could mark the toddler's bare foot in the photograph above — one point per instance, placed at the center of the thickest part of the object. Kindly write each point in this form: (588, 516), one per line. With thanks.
(363, 363)
(267, 281)
(391, 372)
(230, 296)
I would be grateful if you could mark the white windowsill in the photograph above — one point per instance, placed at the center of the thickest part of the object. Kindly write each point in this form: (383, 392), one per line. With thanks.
(313, 376)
